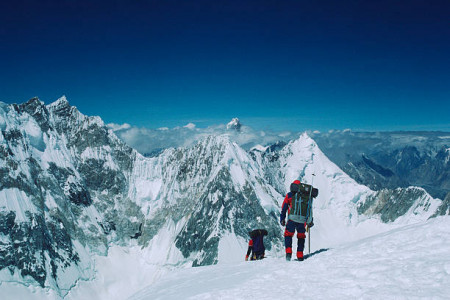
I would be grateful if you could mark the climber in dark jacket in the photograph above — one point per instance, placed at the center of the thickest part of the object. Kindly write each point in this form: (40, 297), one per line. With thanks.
(256, 247)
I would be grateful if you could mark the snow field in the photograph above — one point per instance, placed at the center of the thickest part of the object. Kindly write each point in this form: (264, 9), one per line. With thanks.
(411, 262)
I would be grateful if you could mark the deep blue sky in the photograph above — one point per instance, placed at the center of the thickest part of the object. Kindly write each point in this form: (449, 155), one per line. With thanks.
(365, 65)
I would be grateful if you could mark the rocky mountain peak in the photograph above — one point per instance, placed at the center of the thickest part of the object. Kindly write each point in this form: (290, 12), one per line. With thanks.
(61, 102)
(234, 124)
(33, 102)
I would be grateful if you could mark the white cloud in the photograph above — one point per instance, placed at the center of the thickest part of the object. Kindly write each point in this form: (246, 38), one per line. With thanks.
(190, 126)
(285, 134)
(152, 141)
(116, 127)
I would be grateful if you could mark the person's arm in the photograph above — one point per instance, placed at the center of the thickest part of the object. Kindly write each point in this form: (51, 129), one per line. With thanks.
(250, 247)
(284, 209)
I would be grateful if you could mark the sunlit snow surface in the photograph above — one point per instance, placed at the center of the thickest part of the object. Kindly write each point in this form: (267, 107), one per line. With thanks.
(409, 262)
(405, 263)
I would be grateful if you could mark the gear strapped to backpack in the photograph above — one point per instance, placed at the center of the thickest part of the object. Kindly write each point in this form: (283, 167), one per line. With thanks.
(301, 204)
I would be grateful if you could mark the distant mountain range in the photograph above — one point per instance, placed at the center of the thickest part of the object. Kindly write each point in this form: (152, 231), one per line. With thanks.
(391, 159)
(70, 189)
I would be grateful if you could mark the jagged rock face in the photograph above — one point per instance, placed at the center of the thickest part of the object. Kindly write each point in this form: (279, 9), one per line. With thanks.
(214, 188)
(28, 245)
(223, 208)
(56, 167)
(444, 209)
(392, 204)
(70, 186)
(368, 172)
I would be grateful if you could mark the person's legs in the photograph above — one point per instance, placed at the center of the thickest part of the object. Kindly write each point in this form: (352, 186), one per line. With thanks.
(301, 236)
(288, 234)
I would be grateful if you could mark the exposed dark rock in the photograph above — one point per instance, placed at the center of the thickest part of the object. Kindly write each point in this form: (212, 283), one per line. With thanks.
(444, 208)
(377, 168)
(38, 111)
(78, 195)
(389, 160)
(31, 242)
(391, 204)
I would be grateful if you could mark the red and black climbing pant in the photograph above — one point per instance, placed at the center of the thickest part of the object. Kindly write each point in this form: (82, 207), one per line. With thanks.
(291, 227)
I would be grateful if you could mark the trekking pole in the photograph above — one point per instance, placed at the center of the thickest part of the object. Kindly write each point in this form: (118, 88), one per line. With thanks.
(308, 229)
(309, 241)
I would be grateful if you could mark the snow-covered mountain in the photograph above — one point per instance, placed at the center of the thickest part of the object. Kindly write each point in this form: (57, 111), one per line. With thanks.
(343, 206)
(378, 160)
(71, 188)
(72, 194)
(62, 178)
(203, 193)
(234, 124)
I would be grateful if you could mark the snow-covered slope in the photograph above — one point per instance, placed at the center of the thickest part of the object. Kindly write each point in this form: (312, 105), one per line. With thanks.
(344, 209)
(391, 265)
(409, 262)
